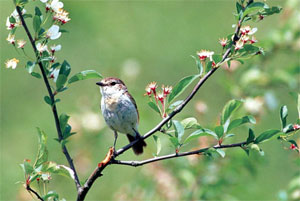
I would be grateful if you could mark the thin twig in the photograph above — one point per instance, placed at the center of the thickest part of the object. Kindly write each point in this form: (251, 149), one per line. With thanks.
(174, 155)
(34, 192)
(51, 95)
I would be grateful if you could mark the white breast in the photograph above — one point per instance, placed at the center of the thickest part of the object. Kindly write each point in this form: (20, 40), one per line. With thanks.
(120, 114)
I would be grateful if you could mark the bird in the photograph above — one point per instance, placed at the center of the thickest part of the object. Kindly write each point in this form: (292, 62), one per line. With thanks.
(120, 111)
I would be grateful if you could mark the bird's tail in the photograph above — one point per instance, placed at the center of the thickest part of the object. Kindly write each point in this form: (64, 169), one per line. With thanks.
(137, 147)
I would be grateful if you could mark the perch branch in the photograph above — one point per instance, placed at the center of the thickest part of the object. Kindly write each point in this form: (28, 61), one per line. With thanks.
(51, 95)
(175, 155)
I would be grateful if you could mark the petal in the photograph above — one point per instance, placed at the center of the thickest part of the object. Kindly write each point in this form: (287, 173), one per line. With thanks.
(55, 36)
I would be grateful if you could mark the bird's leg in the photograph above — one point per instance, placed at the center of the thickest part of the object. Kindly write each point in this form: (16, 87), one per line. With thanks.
(137, 134)
(115, 141)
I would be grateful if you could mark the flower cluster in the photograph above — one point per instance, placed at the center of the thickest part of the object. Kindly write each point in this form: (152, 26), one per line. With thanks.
(13, 20)
(203, 54)
(12, 63)
(56, 7)
(246, 32)
(160, 96)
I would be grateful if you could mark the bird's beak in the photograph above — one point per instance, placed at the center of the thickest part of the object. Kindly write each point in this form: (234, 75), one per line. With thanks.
(101, 84)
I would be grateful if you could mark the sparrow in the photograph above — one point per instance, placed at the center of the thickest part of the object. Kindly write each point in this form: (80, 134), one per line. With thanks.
(120, 111)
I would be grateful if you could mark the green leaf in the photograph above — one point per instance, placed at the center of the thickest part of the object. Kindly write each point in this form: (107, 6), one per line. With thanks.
(154, 107)
(199, 65)
(61, 81)
(27, 167)
(175, 142)
(228, 109)
(65, 69)
(60, 170)
(251, 136)
(238, 122)
(239, 8)
(63, 121)
(48, 100)
(27, 16)
(181, 86)
(217, 58)
(51, 194)
(199, 133)
(219, 130)
(265, 136)
(174, 105)
(12, 20)
(84, 75)
(37, 75)
(190, 123)
(272, 10)
(38, 11)
(37, 23)
(288, 128)
(283, 115)
(30, 66)
(254, 8)
(42, 155)
(158, 144)
(179, 129)
(221, 152)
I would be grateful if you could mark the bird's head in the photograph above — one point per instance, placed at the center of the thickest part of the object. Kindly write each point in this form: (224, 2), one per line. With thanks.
(111, 86)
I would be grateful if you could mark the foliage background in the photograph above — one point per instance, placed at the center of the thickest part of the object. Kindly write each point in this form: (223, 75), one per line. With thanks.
(140, 42)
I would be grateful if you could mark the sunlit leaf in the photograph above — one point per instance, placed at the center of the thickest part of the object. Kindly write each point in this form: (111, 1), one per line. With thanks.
(42, 155)
(221, 152)
(219, 130)
(158, 144)
(238, 122)
(84, 75)
(283, 115)
(251, 137)
(30, 66)
(36, 23)
(199, 133)
(179, 129)
(181, 86)
(228, 109)
(190, 123)
(266, 135)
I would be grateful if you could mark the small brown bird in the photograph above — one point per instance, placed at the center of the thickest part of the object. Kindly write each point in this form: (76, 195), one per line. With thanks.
(120, 111)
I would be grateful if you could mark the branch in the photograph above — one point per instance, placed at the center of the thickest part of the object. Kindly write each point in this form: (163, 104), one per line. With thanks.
(175, 155)
(28, 188)
(98, 171)
(51, 95)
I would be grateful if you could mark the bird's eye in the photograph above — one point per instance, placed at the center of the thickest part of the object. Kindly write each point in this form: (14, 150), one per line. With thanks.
(113, 83)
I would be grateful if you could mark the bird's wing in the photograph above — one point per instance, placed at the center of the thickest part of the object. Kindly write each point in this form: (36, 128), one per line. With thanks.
(134, 103)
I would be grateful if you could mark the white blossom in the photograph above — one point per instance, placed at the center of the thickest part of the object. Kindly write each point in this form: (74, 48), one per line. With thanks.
(12, 63)
(55, 48)
(203, 54)
(11, 38)
(54, 74)
(56, 5)
(53, 33)
(44, 1)
(41, 47)
(21, 43)
(239, 45)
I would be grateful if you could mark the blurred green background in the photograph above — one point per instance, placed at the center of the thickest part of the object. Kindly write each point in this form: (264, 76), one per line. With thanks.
(140, 42)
